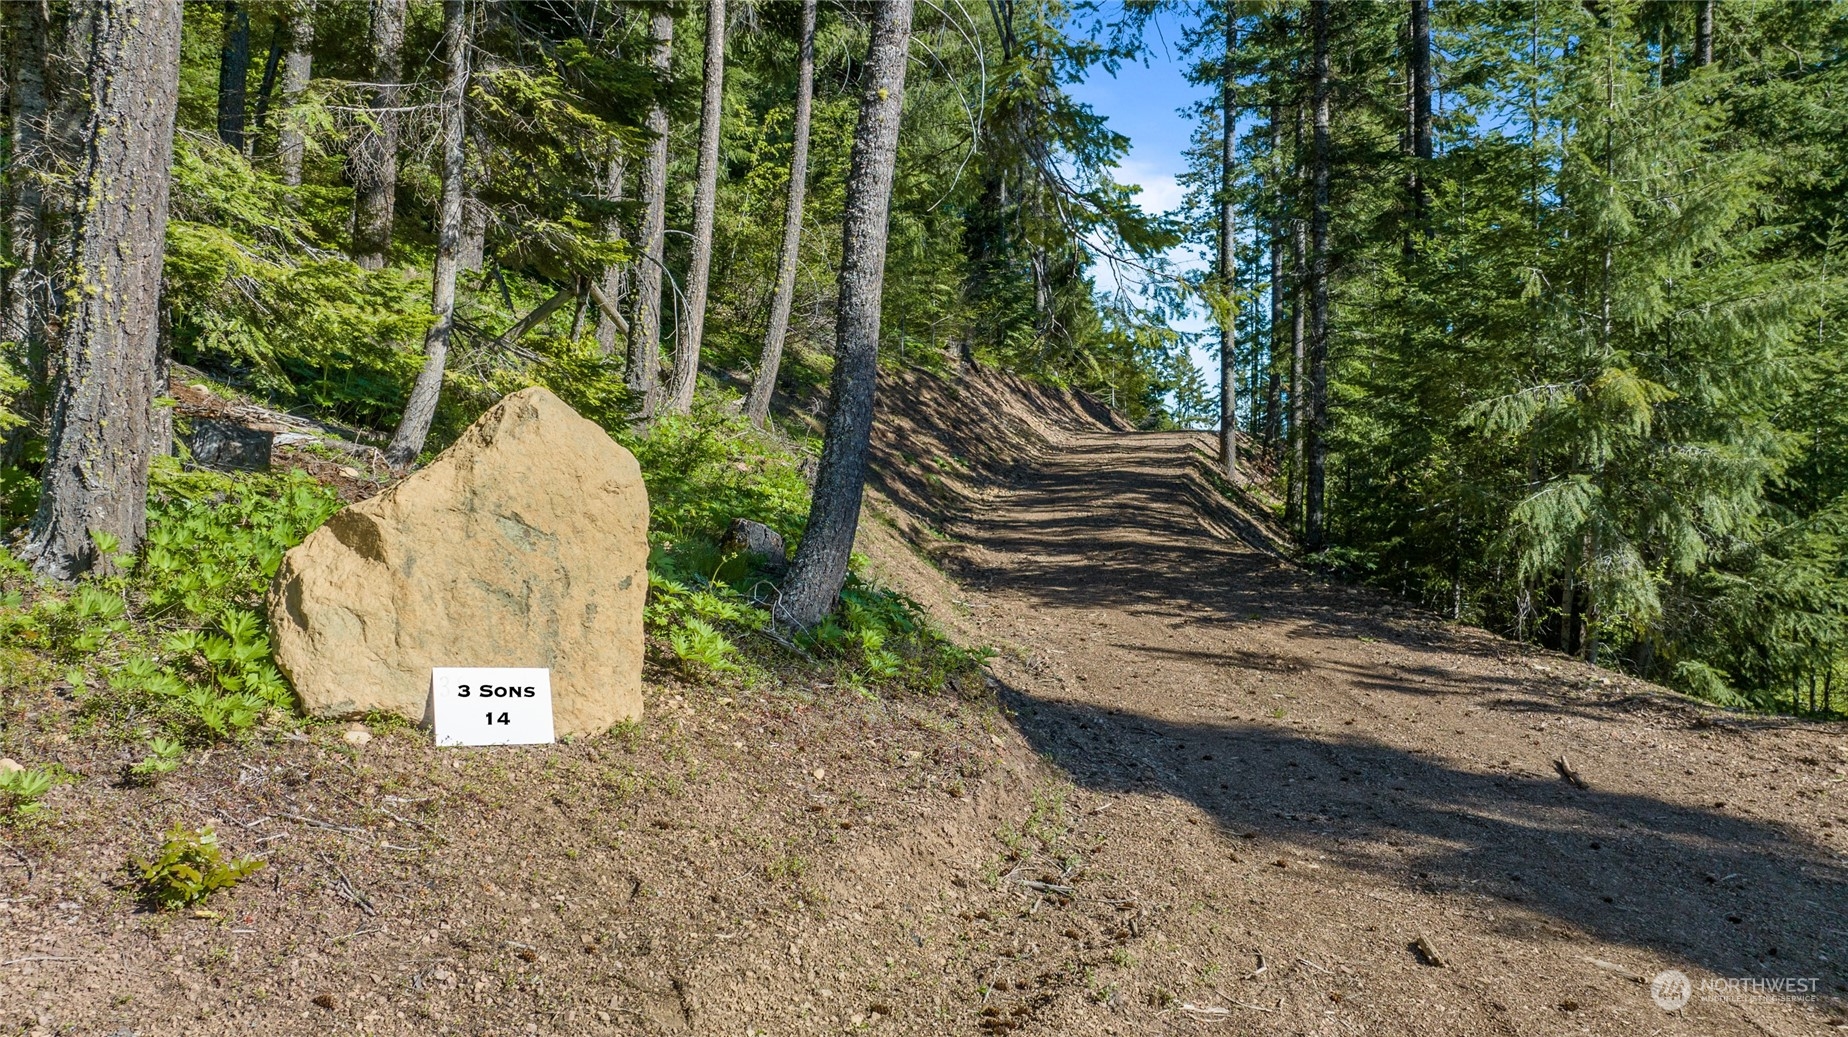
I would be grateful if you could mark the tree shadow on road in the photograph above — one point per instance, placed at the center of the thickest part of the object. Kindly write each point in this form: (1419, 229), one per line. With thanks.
(1695, 885)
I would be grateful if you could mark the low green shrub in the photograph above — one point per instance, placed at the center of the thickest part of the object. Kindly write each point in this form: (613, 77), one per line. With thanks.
(190, 867)
(171, 641)
(163, 757)
(20, 792)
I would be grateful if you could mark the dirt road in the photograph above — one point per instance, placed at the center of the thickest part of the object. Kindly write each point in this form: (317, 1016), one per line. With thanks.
(1221, 796)
(1347, 818)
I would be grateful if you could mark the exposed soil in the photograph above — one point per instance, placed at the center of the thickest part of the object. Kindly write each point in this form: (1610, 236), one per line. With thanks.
(1204, 790)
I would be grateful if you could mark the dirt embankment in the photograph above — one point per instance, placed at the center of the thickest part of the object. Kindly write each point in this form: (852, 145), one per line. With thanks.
(1220, 792)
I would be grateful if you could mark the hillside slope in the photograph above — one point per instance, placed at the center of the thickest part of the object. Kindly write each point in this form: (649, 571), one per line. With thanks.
(1202, 786)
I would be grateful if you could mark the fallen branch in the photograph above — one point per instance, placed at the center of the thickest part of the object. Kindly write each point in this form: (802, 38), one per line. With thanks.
(349, 891)
(45, 957)
(1564, 767)
(312, 823)
(1047, 887)
(507, 338)
(349, 936)
(608, 308)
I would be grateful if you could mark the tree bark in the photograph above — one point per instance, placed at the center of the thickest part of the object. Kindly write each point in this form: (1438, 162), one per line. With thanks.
(607, 306)
(507, 339)
(612, 280)
(297, 69)
(1315, 499)
(472, 253)
(102, 414)
(265, 88)
(757, 405)
(374, 154)
(29, 300)
(408, 441)
(1418, 131)
(1299, 378)
(233, 75)
(820, 567)
(705, 204)
(1273, 403)
(1228, 257)
(1703, 33)
(644, 366)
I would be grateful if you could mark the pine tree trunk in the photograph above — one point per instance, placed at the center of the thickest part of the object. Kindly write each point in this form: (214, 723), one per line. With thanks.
(1315, 497)
(1273, 403)
(757, 405)
(1299, 383)
(102, 413)
(374, 154)
(820, 567)
(1228, 258)
(1418, 130)
(265, 89)
(408, 441)
(472, 252)
(29, 297)
(614, 174)
(233, 75)
(1273, 412)
(705, 204)
(1703, 33)
(644, 371)
(297, 69)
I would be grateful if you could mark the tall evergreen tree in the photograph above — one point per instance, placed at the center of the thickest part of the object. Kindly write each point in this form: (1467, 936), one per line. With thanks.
(820, 567)
(1227, 258)
(644, 362)
(100, 441)
(408, 441)
(297, 69)
(1321, 162)
(233, 74)
(679, 397)
(373, 155)
(763, 386)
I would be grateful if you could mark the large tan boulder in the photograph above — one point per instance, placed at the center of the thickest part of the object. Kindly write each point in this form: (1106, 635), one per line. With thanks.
(524, 544)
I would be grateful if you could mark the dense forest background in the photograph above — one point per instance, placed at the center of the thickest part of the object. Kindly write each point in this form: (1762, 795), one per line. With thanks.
(1540, 305)
(1528, 312)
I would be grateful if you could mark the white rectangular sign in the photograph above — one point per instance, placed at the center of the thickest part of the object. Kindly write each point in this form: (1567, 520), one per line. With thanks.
(491, 705)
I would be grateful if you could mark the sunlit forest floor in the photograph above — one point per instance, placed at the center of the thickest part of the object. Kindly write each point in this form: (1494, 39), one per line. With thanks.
(1201, 786)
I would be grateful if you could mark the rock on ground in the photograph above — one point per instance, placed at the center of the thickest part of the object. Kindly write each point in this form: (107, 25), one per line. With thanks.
(757, 542)
(524, 544)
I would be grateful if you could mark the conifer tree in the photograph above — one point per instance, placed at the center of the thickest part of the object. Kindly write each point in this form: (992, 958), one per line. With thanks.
(1227, 258)
(297, 69)
(100, 442)
(373, 158)
(644, 361)
(763, 386)
(679, 398)
(820, 567)
(414, 427)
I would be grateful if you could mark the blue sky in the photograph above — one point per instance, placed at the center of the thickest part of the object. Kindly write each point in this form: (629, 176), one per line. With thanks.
(1144, 103)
